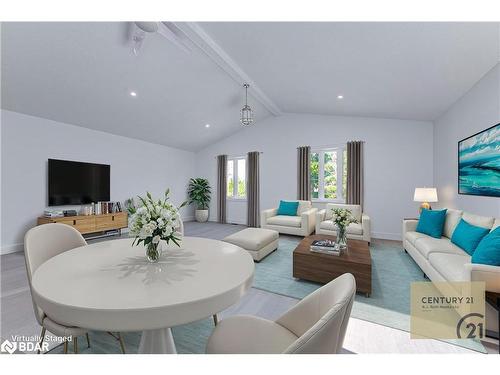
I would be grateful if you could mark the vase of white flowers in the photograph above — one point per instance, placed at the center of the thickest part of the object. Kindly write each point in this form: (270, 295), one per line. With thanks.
(153, 252)
(153, 222)
(341, 218)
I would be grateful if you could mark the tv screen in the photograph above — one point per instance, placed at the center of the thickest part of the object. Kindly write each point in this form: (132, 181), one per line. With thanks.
(72, 182)
(479, 163)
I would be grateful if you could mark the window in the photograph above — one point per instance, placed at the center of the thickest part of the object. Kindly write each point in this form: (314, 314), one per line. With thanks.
(236, 178)
(230, 178)
(329, 174)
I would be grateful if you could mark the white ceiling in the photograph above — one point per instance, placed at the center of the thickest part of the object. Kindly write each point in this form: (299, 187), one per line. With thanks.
(82, 73)
(397, 70)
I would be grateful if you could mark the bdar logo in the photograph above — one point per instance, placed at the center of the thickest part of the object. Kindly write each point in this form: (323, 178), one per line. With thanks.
(8, 346)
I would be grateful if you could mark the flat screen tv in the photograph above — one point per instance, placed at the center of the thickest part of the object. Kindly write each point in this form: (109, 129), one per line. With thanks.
(479, 163)
(72, 182)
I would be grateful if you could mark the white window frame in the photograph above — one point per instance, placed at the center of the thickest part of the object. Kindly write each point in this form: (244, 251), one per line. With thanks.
(321, 174)
(235, 196)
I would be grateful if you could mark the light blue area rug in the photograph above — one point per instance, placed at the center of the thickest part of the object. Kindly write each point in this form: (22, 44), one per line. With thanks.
(393, 271)
(189, 339)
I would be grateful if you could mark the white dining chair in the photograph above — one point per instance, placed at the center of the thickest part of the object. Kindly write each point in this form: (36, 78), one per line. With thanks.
(315, 325)
(40, 244)
(180, 229)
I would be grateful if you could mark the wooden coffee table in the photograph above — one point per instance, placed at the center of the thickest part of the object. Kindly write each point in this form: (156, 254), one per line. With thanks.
(323, 268)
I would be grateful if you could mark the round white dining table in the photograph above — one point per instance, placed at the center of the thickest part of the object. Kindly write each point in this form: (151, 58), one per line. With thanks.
(110, 286)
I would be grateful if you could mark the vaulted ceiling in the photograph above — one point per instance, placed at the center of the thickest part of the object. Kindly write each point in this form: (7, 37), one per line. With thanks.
(396, 70)
(83, 73)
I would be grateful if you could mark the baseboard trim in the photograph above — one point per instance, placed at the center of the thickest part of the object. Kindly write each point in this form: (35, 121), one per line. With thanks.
(14, 248)
(386, 236)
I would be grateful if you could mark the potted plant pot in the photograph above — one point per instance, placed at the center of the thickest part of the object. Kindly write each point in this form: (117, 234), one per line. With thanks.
(201, 216)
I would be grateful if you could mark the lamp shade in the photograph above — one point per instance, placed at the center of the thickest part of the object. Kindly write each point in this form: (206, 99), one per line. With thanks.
(425, 195)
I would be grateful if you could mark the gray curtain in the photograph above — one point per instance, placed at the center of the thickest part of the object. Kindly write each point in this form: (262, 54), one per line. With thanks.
(355, 173)
(221, 188)
(304, 173)
(253, 188)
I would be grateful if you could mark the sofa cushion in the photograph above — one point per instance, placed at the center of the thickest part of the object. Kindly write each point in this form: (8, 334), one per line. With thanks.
(427, 245)
(288, 208)
(468, 236)
(452, 219)
(287, 221)
(354, 208)
(450, 266)
(252, 239)
(478, 221)
(414, 236)
(488, 250)
(303, 207)
(353, 228)
(431, 222)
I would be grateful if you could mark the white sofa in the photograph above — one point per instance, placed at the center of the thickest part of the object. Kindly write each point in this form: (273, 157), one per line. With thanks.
(356, 231)
(301, 225)
(441, 260)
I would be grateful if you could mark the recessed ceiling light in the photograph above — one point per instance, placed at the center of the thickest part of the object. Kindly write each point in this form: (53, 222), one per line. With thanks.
(207, 125)
(133, 93)
(340, 96)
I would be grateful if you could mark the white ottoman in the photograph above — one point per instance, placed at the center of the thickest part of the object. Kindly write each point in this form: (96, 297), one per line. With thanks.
(258, 242)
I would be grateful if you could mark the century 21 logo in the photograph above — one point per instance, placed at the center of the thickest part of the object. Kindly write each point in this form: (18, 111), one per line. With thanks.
(471, 327)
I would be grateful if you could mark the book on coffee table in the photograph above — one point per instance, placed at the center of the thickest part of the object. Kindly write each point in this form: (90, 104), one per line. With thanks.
(325, 247)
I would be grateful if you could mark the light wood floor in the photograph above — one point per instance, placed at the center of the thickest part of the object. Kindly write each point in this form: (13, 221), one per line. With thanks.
(17, 316)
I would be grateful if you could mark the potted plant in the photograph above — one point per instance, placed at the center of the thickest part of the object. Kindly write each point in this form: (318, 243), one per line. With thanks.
(199, 194)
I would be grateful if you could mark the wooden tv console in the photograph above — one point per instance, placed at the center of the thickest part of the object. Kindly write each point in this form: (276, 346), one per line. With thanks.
(87, 224)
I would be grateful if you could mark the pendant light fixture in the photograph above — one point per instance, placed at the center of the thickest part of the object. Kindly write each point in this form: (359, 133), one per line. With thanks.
(246, 118)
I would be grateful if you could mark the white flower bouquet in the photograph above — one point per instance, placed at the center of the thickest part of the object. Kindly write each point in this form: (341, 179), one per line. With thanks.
(153, 221)
(341, 218)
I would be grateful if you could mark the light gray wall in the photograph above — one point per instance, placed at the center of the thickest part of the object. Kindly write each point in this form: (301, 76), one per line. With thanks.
(475, 111)
(398, 158)
(27, 143)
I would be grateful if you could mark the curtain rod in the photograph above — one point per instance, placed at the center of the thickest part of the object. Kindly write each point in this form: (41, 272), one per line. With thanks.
(237, 156)
(330, 145)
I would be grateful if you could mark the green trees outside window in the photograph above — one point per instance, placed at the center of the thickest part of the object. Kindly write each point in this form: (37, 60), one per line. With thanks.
(236, 178)
(328, 174)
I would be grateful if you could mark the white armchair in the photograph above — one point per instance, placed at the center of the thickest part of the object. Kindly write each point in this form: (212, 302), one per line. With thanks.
(359, 231)
(315, 325)
(301, 225)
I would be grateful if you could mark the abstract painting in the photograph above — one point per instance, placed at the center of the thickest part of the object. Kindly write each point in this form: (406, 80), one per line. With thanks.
(479, 163)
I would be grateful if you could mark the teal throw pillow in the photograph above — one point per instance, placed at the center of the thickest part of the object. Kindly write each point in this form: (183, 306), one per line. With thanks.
(431, 222)
(488, 250)
(468, 236)
(288, 208)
